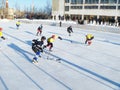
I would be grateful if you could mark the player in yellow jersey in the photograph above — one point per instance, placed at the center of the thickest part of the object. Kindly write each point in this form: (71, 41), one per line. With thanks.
(1, 34)
(89, 37)
(50, 41)
(18, 24)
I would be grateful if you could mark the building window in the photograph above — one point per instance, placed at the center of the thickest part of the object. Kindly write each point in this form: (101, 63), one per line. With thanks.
(118, 7)
(119, 1)
(104, 1)
(91, 1)
(79, 1)
(107, 7)
(76, 1)
(66, 8)
(73, 1)
(108, 1)
(76, 7)
(91, 7)
(66, 1)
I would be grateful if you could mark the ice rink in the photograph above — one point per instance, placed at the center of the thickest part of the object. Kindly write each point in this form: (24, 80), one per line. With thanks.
(82, 67)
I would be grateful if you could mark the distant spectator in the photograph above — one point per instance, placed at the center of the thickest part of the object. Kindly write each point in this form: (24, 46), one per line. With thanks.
(59, 17)
(60, 23)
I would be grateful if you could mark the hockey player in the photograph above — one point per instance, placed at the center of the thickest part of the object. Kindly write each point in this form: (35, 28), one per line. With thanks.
(89, 37)
(50, 41)
(69, 30)
(39, 30)
(18, 24)
(37, 48)
(1, 34)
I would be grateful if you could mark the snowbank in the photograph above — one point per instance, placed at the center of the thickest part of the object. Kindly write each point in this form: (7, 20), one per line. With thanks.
(45, 21)
(4, 20)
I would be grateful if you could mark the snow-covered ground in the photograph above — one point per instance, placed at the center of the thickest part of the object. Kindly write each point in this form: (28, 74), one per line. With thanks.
(95, 67)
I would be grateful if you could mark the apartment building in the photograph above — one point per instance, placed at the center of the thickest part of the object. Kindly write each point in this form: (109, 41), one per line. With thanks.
(103, 10)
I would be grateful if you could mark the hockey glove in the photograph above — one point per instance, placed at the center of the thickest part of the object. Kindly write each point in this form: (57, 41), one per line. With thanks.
(60, 38)
(3, 38)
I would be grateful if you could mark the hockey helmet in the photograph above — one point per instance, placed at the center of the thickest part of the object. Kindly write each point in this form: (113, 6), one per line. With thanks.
(43, 38)
(54, 36)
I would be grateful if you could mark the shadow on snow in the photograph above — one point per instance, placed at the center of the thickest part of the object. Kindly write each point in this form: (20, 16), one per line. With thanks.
(107, 41)
(2, 81)
(22, 71)
(72, 41)
(88, 71)
(13, 28)
(21, 51)
(30, 33)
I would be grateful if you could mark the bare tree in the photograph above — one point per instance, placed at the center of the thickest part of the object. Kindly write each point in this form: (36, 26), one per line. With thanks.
(48, 8)
(17, 10)
(17, 6)
(37, 12)
(2, 4)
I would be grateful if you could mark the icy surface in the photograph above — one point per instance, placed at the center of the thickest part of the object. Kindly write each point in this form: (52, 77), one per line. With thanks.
(82, 67)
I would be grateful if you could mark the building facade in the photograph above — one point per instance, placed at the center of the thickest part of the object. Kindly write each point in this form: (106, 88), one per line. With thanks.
(86, 9)
(5, 11)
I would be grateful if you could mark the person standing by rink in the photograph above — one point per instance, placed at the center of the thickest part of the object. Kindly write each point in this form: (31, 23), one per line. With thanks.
(37, 48)
(39, 30)
(50, 41)
(70, 30)
(60, 24)
(89, 38)
(1, 34)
